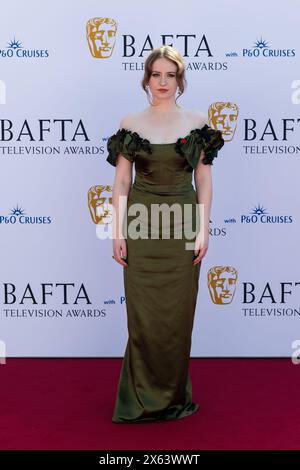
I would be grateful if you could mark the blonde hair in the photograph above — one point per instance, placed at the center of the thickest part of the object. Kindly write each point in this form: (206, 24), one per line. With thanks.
(170, 53)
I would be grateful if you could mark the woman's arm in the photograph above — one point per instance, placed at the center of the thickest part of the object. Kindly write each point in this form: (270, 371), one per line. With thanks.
(203, 184)
(121, 186)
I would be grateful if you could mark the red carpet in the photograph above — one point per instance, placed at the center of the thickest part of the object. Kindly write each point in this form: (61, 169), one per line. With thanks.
(68, 403)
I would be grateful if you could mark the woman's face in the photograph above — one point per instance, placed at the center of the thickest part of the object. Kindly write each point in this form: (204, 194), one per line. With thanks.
(163, 77)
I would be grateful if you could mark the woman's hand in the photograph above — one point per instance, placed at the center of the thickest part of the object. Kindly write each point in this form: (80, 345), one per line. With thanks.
(201, 245)
(120, 251)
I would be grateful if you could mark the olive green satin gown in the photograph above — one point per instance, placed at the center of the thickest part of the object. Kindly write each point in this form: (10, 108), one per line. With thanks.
(160, 282)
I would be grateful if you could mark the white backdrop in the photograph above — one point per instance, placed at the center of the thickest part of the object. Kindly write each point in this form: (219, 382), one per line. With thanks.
(247, 60)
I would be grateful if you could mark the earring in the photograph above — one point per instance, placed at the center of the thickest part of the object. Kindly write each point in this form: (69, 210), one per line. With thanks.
(149, 94)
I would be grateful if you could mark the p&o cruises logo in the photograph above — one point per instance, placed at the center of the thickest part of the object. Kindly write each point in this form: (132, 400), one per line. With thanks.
(261, 48)
(18, 216)
(16, 49)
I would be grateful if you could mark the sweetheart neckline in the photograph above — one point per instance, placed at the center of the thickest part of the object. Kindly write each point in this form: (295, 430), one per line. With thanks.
(168, 143)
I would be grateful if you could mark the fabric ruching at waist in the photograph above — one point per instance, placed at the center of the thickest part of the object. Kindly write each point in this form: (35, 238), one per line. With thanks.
(163, 189)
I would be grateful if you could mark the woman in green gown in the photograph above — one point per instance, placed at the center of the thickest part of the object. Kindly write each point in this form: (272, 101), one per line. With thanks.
(161, 273)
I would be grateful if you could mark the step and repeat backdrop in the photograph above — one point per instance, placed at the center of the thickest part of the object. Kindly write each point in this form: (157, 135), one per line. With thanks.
(69, 71)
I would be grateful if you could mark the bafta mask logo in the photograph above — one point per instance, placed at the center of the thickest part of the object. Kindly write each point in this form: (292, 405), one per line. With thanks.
(223, 117)
(100, 204)
(101, 34)
(221, 284)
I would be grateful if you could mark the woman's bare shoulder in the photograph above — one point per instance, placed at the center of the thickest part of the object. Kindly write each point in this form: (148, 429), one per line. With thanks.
(130, 120)
(199, 118)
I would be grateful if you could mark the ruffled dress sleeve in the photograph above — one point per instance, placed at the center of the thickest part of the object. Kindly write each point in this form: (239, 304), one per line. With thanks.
(120, 142)
(207, 139)
(126, 142)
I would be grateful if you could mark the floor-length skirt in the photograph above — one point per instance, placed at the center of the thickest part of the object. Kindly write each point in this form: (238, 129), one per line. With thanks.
(161, 287)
